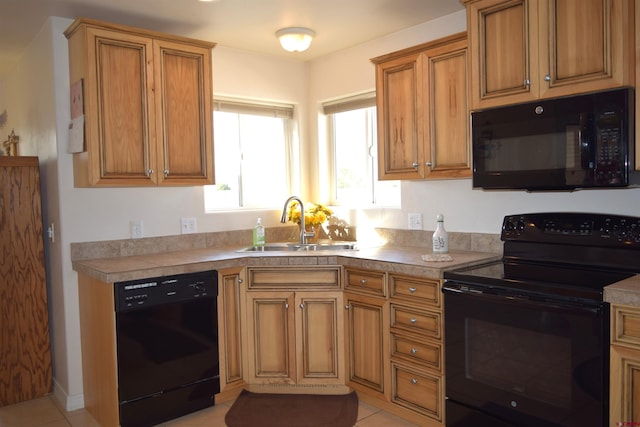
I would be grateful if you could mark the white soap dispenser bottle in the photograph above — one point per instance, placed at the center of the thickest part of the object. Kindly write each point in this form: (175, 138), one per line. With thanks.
(258, 234)
(440, 237)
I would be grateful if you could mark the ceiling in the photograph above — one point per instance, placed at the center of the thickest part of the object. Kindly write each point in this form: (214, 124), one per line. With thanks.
(242, 24)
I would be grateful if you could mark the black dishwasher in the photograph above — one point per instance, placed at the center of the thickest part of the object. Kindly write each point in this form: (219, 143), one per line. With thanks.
(167, 346)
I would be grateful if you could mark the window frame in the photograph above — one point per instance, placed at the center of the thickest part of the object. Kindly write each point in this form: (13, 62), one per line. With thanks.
(243, 106)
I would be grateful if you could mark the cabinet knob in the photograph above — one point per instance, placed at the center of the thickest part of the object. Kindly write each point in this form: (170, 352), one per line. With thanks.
(414, 350)
(347, 307)
(301, 305)
(413, 320)
(414, 381)
(240, 281)
(286, 305)
(430, 164)
(412, 289)
(527, 82)
(166, 172)
(415, 164)
(363, 281)
(149, 172)
(547, 78)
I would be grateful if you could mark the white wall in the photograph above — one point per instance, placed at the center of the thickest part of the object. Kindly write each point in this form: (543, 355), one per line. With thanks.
(465, 209)
(37, 98)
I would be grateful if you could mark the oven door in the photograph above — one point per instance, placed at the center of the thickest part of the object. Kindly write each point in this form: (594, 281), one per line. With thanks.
(524, 360)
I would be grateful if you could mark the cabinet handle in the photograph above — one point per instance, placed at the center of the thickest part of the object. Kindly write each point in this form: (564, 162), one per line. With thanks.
(415, 164)
(430, 164)
(527, 82)
(363, 281)
(414, 381)
(414, 350)
(302, 305)
(547, 78)
(286, 305)
(347, 307)
(166, 172)
(412, 290)
(240, 281)
(149, 172)
(413, 320)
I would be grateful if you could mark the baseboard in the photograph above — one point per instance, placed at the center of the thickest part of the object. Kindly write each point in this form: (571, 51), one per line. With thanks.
(69, 403)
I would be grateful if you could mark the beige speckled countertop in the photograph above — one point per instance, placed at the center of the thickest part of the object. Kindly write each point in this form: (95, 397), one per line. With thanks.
(626, 292)
(399, 259)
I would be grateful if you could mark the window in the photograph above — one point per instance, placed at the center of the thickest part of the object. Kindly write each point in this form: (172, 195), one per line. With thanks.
(352, 131)
(252, 155)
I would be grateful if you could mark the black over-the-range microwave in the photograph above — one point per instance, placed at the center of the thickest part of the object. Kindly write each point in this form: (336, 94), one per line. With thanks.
(583, 141)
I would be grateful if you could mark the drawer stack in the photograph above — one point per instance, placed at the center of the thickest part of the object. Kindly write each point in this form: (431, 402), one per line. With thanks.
(416, 345)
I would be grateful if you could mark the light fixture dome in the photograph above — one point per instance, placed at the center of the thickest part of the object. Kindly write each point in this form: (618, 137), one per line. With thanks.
(295, 39)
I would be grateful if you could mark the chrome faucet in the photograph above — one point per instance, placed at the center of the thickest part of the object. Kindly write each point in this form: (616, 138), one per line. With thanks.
(303, 231)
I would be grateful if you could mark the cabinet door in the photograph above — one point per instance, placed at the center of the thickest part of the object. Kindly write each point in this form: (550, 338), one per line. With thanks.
(183, 109)
(231, 327)
(119, 109)
(272, 337)
(447, 153)
(585, 45)
(504, 51)
(625, 386)
(398, 107)
(318, 326)
(366, 333)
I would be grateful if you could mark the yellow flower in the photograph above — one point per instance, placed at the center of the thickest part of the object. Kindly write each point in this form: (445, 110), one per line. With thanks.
(314, 214)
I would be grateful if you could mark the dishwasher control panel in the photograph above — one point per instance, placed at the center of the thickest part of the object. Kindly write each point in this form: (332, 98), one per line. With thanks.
(138, 294)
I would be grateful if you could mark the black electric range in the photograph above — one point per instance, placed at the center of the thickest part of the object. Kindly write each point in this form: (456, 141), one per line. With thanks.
(527, 337)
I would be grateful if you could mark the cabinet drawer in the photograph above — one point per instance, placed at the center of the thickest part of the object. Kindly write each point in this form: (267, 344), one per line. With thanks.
(412, 350)
(365, 282)
(626, 325)
(415, 290)
(417, 321)
(294, 278)
(417, 390)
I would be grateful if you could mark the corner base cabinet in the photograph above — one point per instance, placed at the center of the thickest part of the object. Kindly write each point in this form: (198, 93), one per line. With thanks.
(146, 101)
(294, 321)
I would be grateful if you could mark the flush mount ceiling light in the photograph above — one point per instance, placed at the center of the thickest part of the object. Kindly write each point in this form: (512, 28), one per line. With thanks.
(295, 39)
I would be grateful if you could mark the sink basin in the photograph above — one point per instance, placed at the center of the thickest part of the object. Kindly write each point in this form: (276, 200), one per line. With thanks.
(297, 247)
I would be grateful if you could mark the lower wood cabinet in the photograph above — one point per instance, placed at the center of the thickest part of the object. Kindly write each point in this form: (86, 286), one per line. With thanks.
(624, 395)
(232, 330)
(394, 351)
(373, 331)
(418, 390)
(366, 333)
(295, 336)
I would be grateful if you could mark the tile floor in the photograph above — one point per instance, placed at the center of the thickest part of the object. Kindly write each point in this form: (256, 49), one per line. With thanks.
(44, 412)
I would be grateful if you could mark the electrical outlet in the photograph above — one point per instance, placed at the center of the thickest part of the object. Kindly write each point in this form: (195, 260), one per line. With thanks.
(188, 225)
(136, 228)
(415, 221)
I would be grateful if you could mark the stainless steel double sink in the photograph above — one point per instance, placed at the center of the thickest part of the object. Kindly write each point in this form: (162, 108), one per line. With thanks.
(297, 247)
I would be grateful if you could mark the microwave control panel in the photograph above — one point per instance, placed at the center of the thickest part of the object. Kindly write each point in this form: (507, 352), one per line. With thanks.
(610, 154)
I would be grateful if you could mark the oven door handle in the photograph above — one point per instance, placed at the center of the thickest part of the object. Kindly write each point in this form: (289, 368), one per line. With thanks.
(520, 299)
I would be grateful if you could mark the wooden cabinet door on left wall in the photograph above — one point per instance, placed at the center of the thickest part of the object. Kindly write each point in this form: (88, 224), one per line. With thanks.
(147, 106)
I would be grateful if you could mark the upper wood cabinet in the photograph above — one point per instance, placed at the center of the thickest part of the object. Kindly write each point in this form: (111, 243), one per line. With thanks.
(423, 114)
(147, 106)
(522, 50)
